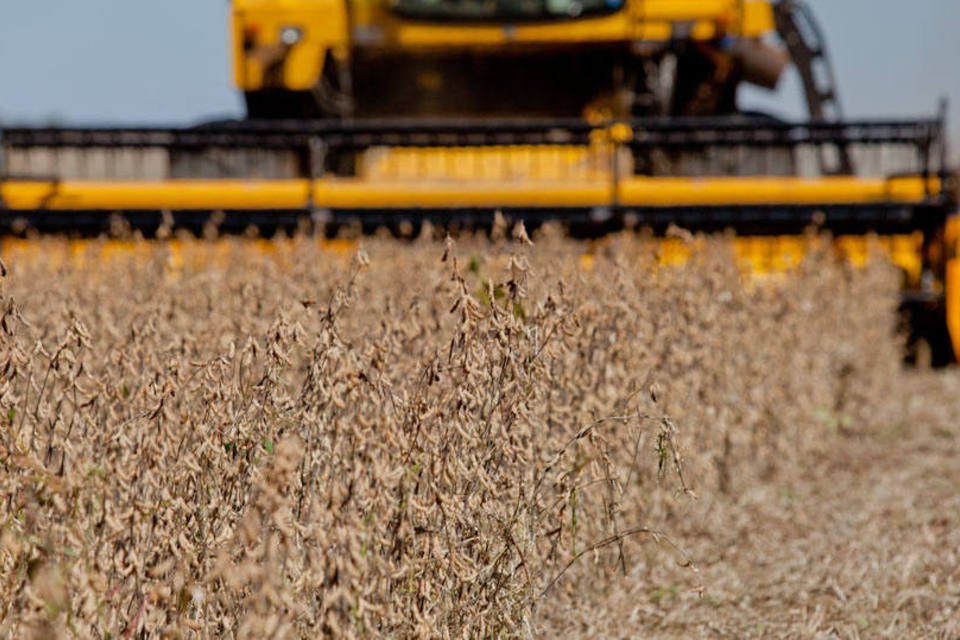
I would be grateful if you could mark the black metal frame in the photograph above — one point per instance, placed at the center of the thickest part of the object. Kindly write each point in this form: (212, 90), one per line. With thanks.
(583, 221)
(665, 132)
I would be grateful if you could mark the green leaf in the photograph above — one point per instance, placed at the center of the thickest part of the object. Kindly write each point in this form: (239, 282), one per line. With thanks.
(96, 471)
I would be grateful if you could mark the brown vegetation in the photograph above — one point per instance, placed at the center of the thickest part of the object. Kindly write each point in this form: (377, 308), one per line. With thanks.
(477, 439)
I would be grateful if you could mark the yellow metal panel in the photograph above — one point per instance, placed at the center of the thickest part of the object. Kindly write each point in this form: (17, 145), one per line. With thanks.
(640, 20)
(181, 256)
(674, 252)
(354, 192)
(323, 24)
(768, 255)
(687, 10)
(616, 28)
(487, 164)
(237, 61)
(704, 30)
(413, 34)
(773, 255)
(174, 194)
(953, 303)
(654, 31)
(666, 192)
(952, 242)
(755, 256)
(904, 250)
(294, 194)
(757, 18)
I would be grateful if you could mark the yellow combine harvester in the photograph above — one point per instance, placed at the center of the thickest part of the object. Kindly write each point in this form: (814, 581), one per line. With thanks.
(599, 113)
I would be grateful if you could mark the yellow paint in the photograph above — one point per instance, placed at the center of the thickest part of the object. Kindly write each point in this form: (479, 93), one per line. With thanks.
(328, 25)
(756, 256)
(673, 252)
(666, 192)
(173, 194)
(952, 242)
(757, 18)
(773, 255)
(408, 34)
(178, 256)
(324, 27)
(639, 20)
(488, 164)
(349, 193)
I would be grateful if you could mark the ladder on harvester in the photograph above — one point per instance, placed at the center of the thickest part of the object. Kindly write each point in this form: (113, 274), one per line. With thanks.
(799, 30)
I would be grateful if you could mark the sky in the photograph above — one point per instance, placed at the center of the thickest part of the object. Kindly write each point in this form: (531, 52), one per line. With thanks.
(140, 61)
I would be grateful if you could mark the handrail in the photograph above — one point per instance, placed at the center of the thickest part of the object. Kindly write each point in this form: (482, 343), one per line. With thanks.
(661, 131)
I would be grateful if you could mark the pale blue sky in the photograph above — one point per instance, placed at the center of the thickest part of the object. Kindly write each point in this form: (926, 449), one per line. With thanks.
(139, 61)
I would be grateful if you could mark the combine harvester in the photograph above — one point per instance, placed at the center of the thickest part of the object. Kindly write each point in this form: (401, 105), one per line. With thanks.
(599, 113)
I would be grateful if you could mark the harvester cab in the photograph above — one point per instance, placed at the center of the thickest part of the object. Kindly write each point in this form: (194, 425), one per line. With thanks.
(597, 113)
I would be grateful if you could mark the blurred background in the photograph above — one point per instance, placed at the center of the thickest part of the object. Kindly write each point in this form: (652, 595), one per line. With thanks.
(125, 62)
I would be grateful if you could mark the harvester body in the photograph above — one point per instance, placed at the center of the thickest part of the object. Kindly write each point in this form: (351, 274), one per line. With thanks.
(516, 58)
